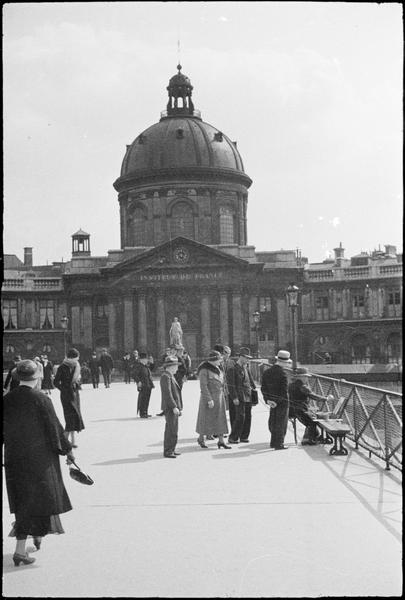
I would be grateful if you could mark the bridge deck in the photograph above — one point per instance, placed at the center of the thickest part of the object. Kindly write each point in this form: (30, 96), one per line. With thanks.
(246, 522)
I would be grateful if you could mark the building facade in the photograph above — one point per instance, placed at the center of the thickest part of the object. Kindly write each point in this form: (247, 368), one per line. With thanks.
(183, 198)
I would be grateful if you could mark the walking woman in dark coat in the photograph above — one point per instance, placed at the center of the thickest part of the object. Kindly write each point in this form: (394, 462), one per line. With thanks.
(33, 441)
(67, 380)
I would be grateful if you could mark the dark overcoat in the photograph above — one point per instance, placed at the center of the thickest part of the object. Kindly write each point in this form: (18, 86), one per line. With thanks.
(275, 387)
(33, 441)
(70, 398)
(170, 390)
(47, 382)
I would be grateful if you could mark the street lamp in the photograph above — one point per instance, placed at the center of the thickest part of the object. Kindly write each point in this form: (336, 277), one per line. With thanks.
(292, 294)
(64, 322)
(256, 319)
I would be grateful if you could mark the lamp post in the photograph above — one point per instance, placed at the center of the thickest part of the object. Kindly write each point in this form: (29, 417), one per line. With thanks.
(64, 322)
(292, 294)
(256, 319)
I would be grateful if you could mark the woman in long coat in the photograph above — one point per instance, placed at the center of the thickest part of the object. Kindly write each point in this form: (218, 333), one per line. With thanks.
(211, 418)
(33, 441)
(67, 380)
(47, 382)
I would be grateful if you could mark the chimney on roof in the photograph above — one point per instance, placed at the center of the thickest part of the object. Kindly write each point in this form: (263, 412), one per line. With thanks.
(339, 255)
(27, 257)
(390, 250)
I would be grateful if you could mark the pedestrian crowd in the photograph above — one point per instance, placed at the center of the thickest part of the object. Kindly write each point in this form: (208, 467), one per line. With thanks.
(35, 487)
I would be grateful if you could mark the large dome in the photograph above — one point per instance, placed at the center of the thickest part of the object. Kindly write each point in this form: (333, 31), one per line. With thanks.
(181, 143)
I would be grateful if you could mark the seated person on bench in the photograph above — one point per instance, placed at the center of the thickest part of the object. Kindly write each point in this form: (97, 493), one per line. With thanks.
(300, 395)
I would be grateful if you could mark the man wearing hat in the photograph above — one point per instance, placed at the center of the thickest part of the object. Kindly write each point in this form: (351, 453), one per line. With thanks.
(107, 365)
(300, 394)
(171, 406)
(240, 384)
(144, 384)
(275, 393)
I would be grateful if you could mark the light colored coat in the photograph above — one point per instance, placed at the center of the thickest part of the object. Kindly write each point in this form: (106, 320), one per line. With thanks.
(211, 421)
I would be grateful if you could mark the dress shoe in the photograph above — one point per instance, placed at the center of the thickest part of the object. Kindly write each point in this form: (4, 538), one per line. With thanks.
(223, 445)
(177, 453)
(281, 448)
(202, 444)
(210, 437)
(233, 441)
(169, 455)
(160, 414)
(22, 558)
(37, 542)
(245, 441)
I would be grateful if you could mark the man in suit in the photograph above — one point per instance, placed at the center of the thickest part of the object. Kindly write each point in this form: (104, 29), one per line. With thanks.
(12, 376)
(275, 394)
(240, 384)
(94, 370)
(127, 365)
(107, 365)
(144, 384)
(171, 406)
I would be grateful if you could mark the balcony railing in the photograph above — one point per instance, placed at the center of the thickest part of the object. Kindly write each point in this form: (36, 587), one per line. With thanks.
(25, 284)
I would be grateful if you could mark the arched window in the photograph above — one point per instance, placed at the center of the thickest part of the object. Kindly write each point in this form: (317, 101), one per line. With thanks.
(394, 348)
(139, 227)
(360, 350)
(182, 220)
(226, 228)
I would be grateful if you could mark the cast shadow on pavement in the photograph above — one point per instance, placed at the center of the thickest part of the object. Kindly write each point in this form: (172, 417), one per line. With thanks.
(121, 419)
(249, 449)
(9, 567)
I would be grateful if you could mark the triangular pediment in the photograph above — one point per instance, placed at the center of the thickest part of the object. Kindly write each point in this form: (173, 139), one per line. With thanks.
(179, 252)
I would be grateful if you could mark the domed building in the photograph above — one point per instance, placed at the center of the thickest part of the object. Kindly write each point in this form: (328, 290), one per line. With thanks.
(182, 176)
(184, 252)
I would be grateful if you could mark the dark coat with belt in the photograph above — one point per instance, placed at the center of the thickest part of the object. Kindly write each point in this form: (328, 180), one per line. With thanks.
(143, 376)
(239, 382)
(33, 442)
(70, 398)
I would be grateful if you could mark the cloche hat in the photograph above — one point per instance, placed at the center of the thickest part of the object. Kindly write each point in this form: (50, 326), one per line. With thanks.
(27, 370)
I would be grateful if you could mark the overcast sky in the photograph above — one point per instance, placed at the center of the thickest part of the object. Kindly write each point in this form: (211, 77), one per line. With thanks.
(312, 92)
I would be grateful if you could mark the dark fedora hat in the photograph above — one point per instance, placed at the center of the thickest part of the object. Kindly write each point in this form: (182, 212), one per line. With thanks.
(214, 355)
(27, 370)
(302, 372)
(245, 352)
(170, 360)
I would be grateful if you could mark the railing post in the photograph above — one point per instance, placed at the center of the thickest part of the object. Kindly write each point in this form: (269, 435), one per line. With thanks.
(356, 437)
(387, 460)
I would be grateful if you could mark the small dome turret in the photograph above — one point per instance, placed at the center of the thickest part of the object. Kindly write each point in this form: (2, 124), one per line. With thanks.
(180, 90)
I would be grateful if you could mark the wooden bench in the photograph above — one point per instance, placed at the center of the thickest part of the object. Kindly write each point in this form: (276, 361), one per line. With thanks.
(334, 431)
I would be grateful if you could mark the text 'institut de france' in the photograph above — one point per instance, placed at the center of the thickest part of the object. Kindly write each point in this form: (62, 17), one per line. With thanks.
(183, 200)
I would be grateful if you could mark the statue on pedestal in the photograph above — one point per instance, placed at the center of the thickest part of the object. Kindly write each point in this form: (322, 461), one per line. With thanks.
(176, 333)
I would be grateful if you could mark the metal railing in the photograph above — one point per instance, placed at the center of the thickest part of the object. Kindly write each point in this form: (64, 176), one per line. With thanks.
(374, 415)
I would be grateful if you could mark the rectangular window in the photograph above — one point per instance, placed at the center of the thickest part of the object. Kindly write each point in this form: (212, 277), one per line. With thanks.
(322, 308)
(46, 314)
(394, 303)
(358, 307)
(9, 310)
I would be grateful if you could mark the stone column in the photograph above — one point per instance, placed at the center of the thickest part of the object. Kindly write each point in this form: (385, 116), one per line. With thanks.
(142, 336)
(345, 307)
(205, 324)
(223, 317)
(253, 307)
(237, 320)
(160, 324)
(112, 325)
(75, 325)
(88, 326)
(128, 324)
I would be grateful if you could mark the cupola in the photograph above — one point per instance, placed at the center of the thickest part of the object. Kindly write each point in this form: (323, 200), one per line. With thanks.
(80, 244)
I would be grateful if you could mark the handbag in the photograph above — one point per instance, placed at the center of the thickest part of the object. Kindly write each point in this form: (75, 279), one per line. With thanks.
(78, 475)
(254, 397)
